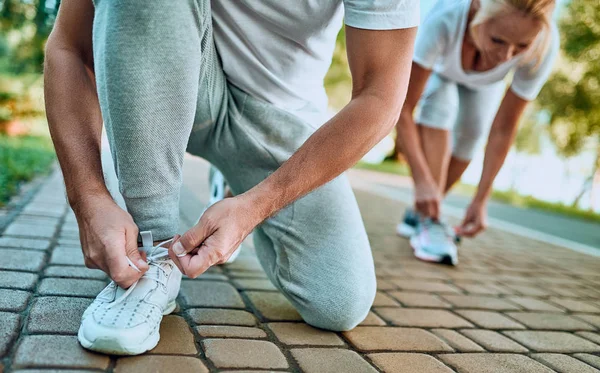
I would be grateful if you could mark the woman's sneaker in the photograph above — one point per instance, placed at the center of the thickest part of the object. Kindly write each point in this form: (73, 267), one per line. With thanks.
(218, 186)
(434, 242)
(126, 321)
(408, 226)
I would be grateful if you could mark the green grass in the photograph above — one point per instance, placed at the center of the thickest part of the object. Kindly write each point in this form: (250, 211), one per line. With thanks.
(387, 166)
(509, 197)
(22, 158)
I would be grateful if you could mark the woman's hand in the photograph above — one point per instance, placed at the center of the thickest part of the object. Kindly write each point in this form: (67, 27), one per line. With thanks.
(428, 198)
(220, 231)
(475, 220)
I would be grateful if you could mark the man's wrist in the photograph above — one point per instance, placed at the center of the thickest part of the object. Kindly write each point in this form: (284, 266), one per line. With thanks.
(80, 199)
(262, 202)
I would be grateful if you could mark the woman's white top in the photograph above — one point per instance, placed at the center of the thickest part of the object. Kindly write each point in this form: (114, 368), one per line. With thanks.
(439, 44)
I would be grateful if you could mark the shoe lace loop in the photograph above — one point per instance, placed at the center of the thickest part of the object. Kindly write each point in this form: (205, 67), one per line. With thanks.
(156, 257)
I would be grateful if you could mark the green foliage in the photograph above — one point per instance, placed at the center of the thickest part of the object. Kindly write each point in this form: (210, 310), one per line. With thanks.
(509, 197)
(21, 97)
(528, 139)
(21, 158)
(571, 96)
(515, 199)
(338, 81)
(24, 29)
(388, 166)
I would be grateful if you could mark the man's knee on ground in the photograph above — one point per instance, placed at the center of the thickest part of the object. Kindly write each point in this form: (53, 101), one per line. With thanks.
(339, 310)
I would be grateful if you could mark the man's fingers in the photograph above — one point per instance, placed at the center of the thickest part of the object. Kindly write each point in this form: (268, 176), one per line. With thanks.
(174, 256)
(195, 265)
(121, 272)
(190, 239)
(133, 252)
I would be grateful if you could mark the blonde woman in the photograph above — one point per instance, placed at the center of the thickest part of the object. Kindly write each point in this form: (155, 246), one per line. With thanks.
(466, 51)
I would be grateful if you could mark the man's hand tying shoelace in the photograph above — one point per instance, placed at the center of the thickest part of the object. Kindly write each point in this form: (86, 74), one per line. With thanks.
(220, 231)
(109, 240)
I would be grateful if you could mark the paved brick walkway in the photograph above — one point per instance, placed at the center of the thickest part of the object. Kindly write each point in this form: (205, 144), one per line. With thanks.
(513, 305)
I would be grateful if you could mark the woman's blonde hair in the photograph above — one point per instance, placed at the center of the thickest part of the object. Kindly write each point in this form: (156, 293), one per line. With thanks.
(539, 9)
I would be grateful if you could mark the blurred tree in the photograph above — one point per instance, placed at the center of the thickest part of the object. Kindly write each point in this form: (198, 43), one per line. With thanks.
(572, 95)
(338, 82)
(24, 29)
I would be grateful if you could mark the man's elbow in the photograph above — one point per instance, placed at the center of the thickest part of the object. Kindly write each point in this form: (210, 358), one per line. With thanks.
(393, 109)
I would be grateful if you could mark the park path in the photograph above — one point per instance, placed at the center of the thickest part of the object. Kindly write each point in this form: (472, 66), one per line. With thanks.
(512, 305)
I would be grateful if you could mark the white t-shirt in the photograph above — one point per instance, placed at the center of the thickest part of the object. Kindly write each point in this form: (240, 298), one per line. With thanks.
(439, 44)
(280, 50)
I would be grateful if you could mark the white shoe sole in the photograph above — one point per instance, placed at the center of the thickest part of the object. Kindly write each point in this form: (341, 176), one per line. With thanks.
(405, 230)
(450, 259)
(113, 346)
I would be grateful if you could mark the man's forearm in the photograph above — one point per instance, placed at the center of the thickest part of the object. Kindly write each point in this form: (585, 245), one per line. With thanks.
(75, 122)
(331, 150)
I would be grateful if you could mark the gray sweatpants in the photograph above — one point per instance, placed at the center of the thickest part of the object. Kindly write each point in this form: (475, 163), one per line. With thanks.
(162, 92)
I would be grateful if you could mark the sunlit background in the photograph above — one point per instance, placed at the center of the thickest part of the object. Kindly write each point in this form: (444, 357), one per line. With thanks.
(555, 158)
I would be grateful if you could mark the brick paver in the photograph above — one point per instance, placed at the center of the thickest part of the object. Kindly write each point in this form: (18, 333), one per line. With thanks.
(410, 299)
(210, 294)
(176, 338)
(594, 337)
(23, 260)
(592, 360)
(56, 351)
(564, 363)
(241, 353)
(367, 338)
(422, 317)
(222, 317)
(590, 319)
(553, 341)
(512, 305)
(480, 302)
(303, 334)
(550, 321)
(493, 363)
(224, 331)
(493, 341)
(9, 327)
(17, 280)
(144, 364)
(273, 306)
(56, 314)
(330, 360)
(533, 304)
(13, 300)
(70, 287)
(457, 341)
(392, 362)
(490, 319)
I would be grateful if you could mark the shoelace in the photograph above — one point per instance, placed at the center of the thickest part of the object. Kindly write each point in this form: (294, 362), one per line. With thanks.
(153, 259)
(436, 230)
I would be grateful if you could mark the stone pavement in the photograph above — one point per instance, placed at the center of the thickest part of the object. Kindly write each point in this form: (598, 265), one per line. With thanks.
(512, 305)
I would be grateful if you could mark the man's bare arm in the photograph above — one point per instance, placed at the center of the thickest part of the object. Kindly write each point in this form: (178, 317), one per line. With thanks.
(380, 63)
(108, 233)
(72, 105)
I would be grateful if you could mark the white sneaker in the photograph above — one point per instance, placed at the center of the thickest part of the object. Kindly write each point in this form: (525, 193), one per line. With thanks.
(408, 226)
(434, 242)
(126, 322)
(217, 193)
